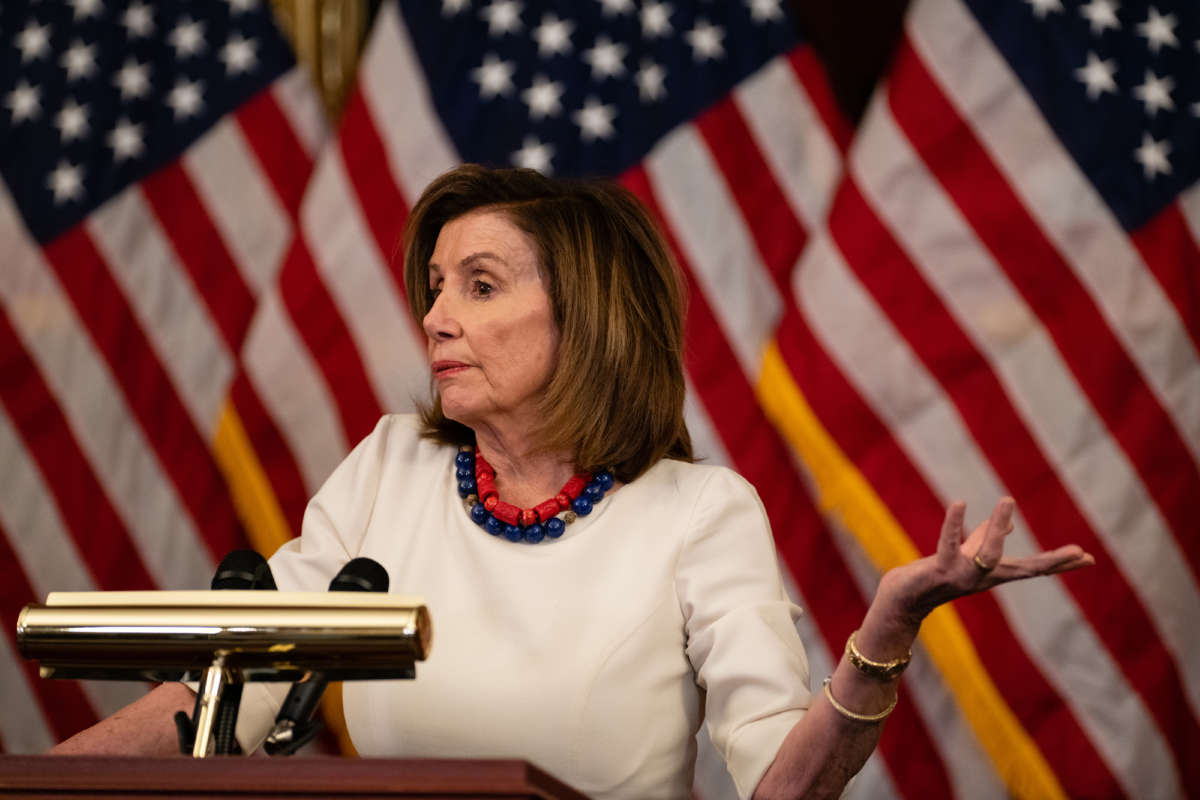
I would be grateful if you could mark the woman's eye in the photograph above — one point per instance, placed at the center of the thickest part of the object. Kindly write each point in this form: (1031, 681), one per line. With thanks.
(483, 288)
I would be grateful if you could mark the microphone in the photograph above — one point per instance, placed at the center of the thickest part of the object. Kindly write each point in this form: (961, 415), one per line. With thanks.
(293, 726)
(243, 569)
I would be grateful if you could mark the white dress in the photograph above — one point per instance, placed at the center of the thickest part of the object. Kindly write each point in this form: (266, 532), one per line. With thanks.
(595, 656)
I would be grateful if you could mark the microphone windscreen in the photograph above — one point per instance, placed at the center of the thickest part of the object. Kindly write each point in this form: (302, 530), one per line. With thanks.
(360, 575)
(241, 569)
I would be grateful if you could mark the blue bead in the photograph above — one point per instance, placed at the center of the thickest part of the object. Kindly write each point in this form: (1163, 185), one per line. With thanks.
(493, 526)
(478, 513)
(465, 460)
(593, 491)
(582, 505)
(534, 533)
(605, 479)
(555, 527)
(466, 487)
(465, 472)
(513, 533)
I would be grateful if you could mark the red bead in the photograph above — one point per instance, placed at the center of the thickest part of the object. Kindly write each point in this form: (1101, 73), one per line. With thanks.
(546, 510)
(574, 486)
(528, 517)
(490, 502)
(563, 501)
(506, 512)
(485, 486)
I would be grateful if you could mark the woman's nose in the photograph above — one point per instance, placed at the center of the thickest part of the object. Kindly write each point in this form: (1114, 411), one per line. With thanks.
(440, 322)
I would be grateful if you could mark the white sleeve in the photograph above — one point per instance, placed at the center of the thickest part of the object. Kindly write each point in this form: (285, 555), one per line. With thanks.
(741, 628)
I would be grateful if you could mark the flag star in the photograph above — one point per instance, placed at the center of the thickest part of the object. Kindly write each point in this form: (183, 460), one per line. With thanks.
(553, 35)
(85, 8)
(241, 6)
(1155, 93)
(452, 7)
(1098, 75)
(33, 41)
(239, 54)
(705, 40)
(764, 10)
(138, 20)
(1159, 30)
(544, 98)
(1043, 7)
(606, 58)
(71, 121)
(25, 102)
(493, 76)
(656, 19)
(186, 98)
(133, 79)
(650, 78)
(595, 120)
(616, 7)
(79, 61)
(66, 181)
(534, 155)
(125, 139)
(1152, 156)
(1101, 15)
(187, 38)
(503, 16)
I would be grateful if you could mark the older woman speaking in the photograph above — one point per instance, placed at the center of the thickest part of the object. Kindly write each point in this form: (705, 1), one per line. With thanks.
(597, 594)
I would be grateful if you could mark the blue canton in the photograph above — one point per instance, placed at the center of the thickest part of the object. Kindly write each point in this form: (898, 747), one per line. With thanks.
(1120, 84)
(584, 87)
(97, 94)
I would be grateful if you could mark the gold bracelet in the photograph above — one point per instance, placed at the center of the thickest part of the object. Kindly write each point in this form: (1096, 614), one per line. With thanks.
(879, 670)
(854, 715)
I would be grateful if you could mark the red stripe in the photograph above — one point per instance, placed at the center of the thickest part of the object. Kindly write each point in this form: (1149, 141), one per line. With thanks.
(801, 536)
(64, 705)
(273, 454)
(328, 340)
(811, 74)
(277, 148)
(1109, 602)
(182, 452)
(87, 515)
(868, 443)
(1104, 371)
(1170, 252)
(198, 245)
(766, 212)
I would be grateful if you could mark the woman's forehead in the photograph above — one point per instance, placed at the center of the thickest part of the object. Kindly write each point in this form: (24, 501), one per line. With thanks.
(478, 236)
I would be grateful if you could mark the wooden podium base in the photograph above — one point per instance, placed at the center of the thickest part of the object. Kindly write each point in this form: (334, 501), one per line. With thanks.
(270, 778)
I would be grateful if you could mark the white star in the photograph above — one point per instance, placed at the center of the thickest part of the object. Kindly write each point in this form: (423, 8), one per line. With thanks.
(186, 98)
(656, 19)
(595, 120)
(763, 10)
(534, 155)
(616, 7)
(71, 121)
(240, 6)
(33, 42)
(125, 139)
(239, 54)
(1155, 93)
(650, 78)
(503, 16)
(187, 38)
(138, 20)
(705, 40)
(452, 7)
(544, 98)
(553, 35)
(1098, 75)
(1159, 30)
(605, 59)
(1101, 14)
(133, 79)
(493, 76)
(25, 102)
(1152, 156)
(1043, 7)
(85, 8)
(79, 61)
(66, 181)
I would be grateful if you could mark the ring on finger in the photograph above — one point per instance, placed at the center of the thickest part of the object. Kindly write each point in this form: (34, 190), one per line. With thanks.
(983, 565)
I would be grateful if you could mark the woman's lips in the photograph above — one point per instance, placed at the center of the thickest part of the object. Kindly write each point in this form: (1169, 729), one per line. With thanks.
(442, 369)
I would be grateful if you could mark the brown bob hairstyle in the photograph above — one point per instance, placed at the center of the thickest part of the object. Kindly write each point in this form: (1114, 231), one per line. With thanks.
(615, 398)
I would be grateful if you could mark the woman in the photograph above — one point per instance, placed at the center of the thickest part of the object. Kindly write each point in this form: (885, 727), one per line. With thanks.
(596, 594)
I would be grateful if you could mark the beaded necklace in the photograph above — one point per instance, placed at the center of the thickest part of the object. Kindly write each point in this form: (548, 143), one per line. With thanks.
(546, 520)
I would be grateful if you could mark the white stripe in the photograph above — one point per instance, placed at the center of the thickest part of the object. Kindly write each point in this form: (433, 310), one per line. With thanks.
(23, 727)
(792, 138)
(93, 404)
(241, 201)
(395, 93)
(292, 391)
(363, 289)
(981, 84)
(720, 253)
(706, 443)
(301, 105)
(1094, 470)
(1042, 615)
(1189, 204)
(164, 301)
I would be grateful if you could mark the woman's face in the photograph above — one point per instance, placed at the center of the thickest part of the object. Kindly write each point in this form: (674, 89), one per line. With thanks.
(493, 343)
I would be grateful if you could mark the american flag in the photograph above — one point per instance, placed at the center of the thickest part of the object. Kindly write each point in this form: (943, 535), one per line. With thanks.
(153, 159)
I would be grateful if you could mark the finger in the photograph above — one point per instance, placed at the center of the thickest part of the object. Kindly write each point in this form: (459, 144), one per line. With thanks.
(991, 550)
(951, 537)
(1063, 559)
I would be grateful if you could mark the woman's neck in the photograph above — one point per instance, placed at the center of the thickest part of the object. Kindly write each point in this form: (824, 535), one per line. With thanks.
(524, 476)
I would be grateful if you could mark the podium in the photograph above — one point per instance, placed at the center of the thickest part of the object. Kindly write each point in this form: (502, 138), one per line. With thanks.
(179, 778)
